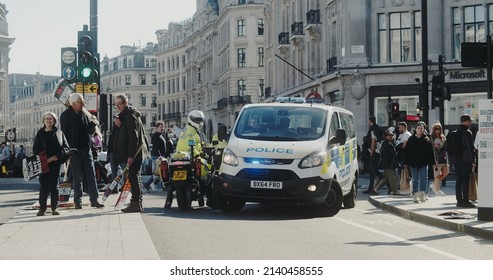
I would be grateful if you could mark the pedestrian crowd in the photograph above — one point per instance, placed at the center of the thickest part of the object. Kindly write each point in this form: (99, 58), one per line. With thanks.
(419, 155)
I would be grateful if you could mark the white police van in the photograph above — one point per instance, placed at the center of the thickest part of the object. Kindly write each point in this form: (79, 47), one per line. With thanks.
(290, 151)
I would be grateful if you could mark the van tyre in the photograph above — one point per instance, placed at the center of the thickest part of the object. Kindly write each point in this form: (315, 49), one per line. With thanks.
(184, 197)
(225, 205)
(333, 202)
(349, 200)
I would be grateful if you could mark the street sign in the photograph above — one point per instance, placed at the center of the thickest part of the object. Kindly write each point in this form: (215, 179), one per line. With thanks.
(89, 88)
(68, 56)
(68, 73)
(473, 54)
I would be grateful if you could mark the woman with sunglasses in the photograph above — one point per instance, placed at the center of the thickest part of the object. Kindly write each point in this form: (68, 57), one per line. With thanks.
(440, 167)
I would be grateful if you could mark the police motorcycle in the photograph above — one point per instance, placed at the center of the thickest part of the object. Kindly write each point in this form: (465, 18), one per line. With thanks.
(184, 175)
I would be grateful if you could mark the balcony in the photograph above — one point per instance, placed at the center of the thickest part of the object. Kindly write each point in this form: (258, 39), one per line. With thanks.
(332, 65)
(283, 38)
(239, 99)
(172, 116)
(297, 33)
(313, 24)
(221, 103)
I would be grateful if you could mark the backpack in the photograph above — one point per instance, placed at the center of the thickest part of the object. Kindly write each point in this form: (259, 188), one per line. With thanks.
(454, 144)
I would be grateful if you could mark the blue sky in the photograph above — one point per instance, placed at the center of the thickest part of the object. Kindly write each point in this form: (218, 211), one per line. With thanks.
(42, 27)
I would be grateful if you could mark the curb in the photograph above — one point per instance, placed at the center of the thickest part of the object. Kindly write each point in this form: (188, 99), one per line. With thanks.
(441, 223)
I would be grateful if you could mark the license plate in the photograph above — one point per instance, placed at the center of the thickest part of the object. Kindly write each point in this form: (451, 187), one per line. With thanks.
(180, 175)
(266, 185)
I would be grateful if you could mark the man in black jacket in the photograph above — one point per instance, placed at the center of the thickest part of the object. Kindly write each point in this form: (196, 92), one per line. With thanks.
(77, 128)
(375, 136)
(465, 161)
(132, 148)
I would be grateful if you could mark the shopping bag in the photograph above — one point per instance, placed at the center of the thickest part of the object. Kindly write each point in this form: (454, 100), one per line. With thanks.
(34, 166)
(405, 181)
(473, 186)
(156, 167)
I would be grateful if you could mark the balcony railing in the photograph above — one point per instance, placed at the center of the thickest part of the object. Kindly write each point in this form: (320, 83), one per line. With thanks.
(332, 64)
(297, 28)
(313, 17)
(283, 38)
(172, 116)
(221, 103)
(240, 99)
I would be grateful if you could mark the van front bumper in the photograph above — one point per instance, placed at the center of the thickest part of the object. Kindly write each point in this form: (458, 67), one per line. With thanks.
(293, 191)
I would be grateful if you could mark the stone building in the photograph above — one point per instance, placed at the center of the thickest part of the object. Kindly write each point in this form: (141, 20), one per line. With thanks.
(5, 42)
(132, 73)
(364, 55)
(213, 62)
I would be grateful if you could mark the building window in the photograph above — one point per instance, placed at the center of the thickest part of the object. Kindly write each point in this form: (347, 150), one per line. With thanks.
(154, 101)
(417, 36)
(261, 87)
(241, 2)
(241, 87)
(177, 84)
(260, 26)
(400, 37)
(142, 99)
(382, 38)
(199, 78)
(183, 81)
(241, 27)
(474, 29)
(130, 62)
(457, 32)
(241, 58)
(142, 79)
(154, 79)
(169, 86)
(261, 57)
(128, 80)
(150, 62)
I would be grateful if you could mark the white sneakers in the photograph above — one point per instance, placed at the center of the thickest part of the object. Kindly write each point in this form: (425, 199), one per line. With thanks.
(152, 186)
(419, 197)
(437, 193)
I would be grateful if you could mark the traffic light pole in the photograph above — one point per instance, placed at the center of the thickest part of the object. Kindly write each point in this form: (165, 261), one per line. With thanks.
(423, 100)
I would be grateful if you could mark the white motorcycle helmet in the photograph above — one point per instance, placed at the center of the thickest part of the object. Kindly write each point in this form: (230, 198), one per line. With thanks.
(196, 118)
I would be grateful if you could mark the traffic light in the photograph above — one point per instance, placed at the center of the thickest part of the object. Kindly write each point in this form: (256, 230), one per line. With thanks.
(87, 61)
(394, 110)
(438, 91)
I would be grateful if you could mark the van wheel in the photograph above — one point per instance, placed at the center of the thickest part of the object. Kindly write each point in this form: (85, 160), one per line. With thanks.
(332, 203)
(223, 204)
(350, 199)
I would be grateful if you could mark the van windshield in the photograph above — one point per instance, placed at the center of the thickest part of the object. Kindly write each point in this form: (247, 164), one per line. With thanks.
(280, 123)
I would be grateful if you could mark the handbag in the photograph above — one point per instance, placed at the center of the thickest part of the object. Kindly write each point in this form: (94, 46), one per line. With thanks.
(405, 181)
(34, 166)
(437, 171)
(65, 187)
(157, 167)
(473, 186)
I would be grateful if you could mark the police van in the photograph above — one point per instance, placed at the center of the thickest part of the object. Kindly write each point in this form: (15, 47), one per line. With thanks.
(290, 151)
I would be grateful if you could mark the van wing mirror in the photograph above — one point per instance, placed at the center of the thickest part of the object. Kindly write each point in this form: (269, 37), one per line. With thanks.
(339, 138)
(222, 133)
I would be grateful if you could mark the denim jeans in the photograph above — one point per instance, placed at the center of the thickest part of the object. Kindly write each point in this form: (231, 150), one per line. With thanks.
(82, 164)
(420, 179)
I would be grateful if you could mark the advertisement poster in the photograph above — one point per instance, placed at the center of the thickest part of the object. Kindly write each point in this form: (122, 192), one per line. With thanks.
(485, 153)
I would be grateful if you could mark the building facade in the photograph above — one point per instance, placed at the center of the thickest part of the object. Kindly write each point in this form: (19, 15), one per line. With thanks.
(364, 55)
(132, 73)
(32, 96)
(213, 62)
(5, 100)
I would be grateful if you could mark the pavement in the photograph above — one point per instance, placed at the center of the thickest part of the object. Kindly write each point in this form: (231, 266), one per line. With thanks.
(108, 234)
(438, 211)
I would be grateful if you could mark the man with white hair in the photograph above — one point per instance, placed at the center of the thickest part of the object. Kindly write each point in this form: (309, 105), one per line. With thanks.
(78, 128)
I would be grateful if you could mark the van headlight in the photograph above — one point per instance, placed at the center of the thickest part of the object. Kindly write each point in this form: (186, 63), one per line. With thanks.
(313, 160)
(230, 158)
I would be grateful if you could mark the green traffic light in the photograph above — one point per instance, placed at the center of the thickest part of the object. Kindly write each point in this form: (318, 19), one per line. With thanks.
(86, 72)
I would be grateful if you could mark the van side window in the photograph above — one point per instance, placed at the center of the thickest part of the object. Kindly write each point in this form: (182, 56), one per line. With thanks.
(347, 122)
(334, 124)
